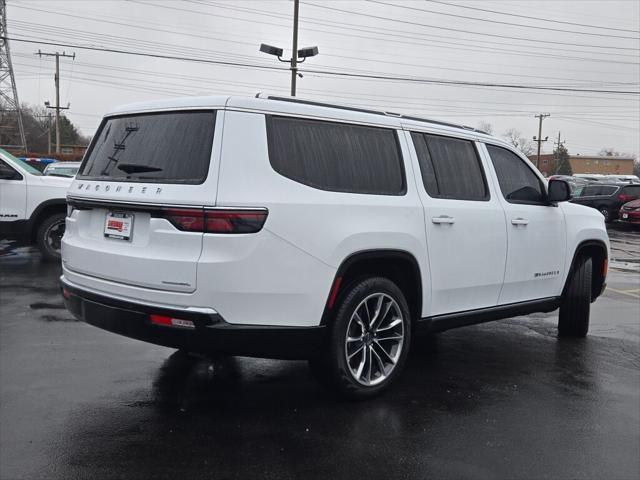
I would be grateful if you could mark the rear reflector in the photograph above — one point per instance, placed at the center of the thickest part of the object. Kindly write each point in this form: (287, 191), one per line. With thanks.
(605, 267)
(334, 292)
(170, 321)
(215, 221)
(66, 293)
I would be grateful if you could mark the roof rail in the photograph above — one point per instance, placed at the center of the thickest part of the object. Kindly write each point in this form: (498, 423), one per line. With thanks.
(365, 110)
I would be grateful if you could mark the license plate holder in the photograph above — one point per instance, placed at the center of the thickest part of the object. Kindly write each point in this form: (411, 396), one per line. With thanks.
(118, 225)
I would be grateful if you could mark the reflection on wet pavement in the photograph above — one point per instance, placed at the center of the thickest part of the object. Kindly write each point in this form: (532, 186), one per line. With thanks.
(502, 400)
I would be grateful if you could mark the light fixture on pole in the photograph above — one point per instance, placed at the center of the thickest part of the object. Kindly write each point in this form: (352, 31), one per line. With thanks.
(297, 56)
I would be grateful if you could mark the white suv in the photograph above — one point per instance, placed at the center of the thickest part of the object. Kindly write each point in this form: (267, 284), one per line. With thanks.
(282, 228)
(32, 205)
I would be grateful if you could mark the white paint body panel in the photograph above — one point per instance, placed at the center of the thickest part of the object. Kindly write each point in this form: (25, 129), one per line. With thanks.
(283, 274)
(19, 199)
(536, 246)
(460, 277)
(158, 256)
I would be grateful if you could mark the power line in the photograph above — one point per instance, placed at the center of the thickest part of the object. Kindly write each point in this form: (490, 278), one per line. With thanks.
(492, 21)
(403, 101)
(357, 27)
(328, 72)
(532, 18)
(74, 33)
(386, 39)
(459, 30)
(152, 55)
(478, 84)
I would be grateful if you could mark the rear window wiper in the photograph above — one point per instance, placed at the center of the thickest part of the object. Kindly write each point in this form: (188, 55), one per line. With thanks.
(135, 168)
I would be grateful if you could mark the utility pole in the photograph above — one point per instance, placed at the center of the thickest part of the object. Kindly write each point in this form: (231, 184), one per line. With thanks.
(539, 139)
(8, 91)
(294, 50)
(49, 133)
(57, 80)
(557, 146)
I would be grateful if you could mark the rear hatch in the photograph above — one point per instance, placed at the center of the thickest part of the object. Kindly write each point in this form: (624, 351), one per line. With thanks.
(138, 197)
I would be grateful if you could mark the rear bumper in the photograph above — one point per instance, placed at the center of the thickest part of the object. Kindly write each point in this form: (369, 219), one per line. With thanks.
(211, 334)
(632, 217)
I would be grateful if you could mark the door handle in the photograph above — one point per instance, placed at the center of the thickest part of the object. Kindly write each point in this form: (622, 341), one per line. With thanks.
(443, 219)
(519, 221)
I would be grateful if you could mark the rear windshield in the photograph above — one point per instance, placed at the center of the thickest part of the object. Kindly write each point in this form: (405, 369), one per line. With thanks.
(172, 147)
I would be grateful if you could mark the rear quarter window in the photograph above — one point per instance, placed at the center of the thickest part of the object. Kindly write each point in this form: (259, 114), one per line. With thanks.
(334, 156)
(632, 190)
(166, 147)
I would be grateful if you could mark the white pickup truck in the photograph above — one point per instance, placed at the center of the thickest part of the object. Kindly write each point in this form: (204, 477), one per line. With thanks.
(32, 205)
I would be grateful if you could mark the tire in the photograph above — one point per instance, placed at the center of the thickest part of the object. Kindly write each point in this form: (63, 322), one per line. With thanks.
(49, 235)
(605, 213)
(573, 320)
(377, 352)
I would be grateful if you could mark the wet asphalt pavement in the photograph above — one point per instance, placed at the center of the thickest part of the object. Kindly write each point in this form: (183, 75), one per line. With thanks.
(500, 400)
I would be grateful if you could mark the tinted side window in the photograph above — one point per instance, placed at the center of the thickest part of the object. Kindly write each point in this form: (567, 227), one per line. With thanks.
(517, 181)
(334, 156)
(606, 191)
(591, 190)
(450, 167)
(8, 172)
(632, 190)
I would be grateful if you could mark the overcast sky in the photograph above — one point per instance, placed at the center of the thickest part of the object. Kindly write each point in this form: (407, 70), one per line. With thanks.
(574, 45)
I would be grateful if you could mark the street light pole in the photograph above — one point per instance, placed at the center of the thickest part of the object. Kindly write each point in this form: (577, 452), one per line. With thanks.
(294, 51)
(297, 55)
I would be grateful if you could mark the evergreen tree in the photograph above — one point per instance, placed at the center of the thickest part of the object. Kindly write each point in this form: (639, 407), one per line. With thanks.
(563, 166)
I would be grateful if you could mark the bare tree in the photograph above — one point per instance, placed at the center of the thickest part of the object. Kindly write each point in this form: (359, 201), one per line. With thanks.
(485, 127)
(608, 152)
(515, 138)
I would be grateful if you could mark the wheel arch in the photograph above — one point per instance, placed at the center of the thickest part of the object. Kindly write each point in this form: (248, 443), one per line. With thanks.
(399, 266)
(597, 251)
(42, 211)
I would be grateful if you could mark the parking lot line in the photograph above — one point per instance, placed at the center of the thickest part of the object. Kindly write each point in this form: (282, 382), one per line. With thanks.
(631, 293)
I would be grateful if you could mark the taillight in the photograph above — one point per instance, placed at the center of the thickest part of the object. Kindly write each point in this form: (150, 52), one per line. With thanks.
(235, 221)
(626, 198)
(215, 220)
(185, 219)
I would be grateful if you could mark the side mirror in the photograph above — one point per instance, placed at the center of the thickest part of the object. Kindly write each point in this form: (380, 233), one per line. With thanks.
(559, 191)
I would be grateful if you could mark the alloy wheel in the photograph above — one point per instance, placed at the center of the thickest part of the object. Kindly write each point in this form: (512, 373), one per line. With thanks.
(374, 340)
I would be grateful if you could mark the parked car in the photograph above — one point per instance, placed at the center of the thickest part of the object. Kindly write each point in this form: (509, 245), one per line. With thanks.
(576, 184)
(32, 206)
(62, 169)
(591, 177)
(623, 178)
(315, 231)
(607, 198)
(38, 163)
(630, 212)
